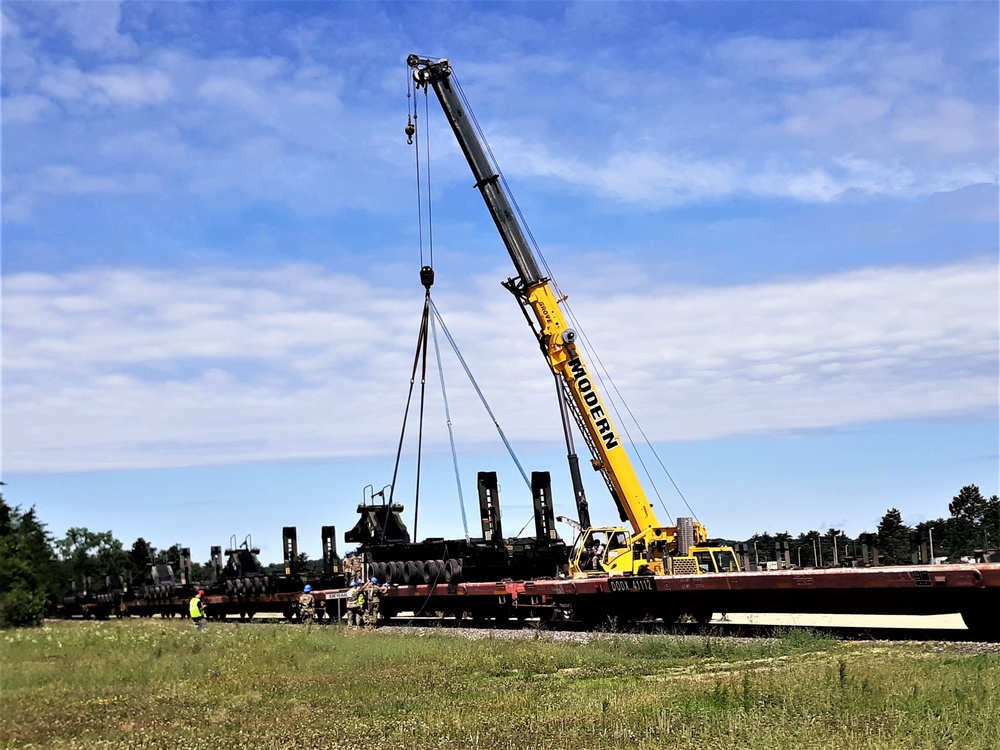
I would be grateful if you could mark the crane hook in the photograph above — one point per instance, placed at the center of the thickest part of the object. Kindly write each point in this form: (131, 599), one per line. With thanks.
(410, 130)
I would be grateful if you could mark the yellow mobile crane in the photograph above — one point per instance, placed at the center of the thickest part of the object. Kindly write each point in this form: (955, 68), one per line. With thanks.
(648, 547)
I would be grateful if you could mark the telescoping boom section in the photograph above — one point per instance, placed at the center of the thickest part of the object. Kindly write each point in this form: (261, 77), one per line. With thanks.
(650, 546)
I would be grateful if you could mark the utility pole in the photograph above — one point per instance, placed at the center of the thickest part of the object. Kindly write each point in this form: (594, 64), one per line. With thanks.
(930, 535)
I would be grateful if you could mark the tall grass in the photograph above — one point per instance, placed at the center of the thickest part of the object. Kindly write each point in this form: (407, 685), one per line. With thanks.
(160, 683)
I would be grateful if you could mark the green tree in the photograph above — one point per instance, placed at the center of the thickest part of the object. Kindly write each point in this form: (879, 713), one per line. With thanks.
(835, 538)
(937, 531)
(974, 523)
(170, 556)
(140, 557)
(991, 523)
(893, 539)
(89, 554)
(811, 553)
(28, 572)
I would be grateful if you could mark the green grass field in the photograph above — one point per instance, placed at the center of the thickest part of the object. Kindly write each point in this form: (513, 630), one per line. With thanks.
(161, 684)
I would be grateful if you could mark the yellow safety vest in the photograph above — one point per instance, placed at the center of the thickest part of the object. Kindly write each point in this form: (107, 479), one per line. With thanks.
(195, 607)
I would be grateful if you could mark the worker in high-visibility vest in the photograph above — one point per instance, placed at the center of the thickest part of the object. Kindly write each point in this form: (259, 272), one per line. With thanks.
(196, 609)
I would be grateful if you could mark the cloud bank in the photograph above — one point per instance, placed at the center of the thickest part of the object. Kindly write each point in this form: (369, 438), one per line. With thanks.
(131, 368)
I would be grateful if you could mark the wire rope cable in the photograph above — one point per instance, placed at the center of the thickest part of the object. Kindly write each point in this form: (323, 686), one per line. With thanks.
(406, 413)
(479, 392)
(451, 431)
(602, 372)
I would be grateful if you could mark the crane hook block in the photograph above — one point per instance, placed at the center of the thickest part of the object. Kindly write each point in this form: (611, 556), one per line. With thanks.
(410, 130)
(427, 277)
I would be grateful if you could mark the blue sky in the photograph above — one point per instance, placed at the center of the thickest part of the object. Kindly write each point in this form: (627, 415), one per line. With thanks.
(777, 224)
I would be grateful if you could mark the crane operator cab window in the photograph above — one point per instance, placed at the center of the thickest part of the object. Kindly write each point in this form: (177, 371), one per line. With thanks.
(617, 543)
(704, 559)
(726, 561)
(592, 551)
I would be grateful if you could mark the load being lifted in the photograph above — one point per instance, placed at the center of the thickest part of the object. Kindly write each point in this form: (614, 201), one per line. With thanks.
(646, 547)
(391, 557)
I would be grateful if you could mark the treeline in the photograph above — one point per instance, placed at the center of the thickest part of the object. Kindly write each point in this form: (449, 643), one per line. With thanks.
(974, 524)
(36, 569)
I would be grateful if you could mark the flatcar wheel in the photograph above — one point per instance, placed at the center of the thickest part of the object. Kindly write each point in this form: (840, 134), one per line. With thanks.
(983, 623)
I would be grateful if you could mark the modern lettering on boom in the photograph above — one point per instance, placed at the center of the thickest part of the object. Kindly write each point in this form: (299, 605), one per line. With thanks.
(593, 402)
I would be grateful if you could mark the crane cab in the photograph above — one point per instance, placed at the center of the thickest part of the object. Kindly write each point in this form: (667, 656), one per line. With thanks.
(714, 560)
(614, 550)
(600, 551)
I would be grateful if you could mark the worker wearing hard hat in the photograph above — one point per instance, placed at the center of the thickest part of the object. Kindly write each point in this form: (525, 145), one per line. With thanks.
(355, 601)
(307, 605)
(373, 597)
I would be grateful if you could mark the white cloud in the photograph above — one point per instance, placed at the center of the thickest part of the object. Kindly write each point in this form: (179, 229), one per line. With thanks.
(94, 27)
(28, 108)
(66, 179)
(128, 368)
(112, 85)
(816, 120)
(657, 178)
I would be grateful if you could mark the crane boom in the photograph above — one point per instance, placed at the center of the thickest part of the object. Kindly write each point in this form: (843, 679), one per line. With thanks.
(557, 339)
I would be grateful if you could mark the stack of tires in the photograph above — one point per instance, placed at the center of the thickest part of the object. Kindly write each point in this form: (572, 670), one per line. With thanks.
(158, 592)
(247, 586)
(416, 572)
